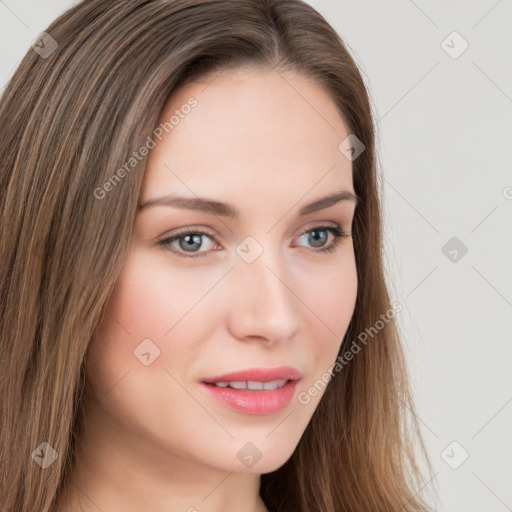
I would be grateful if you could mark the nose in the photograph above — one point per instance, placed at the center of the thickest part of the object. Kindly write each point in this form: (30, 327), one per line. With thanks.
(263, 301)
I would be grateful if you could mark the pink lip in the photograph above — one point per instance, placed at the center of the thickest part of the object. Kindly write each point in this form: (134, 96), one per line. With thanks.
(257, 402)
(259, 374)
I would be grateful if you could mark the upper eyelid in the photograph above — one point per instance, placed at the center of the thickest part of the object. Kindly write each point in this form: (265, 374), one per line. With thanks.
(204, 231)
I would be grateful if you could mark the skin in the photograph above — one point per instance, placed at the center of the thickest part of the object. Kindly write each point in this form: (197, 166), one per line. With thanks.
(152, 439)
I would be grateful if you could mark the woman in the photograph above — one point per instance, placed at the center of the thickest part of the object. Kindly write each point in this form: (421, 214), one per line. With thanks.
(194, 310)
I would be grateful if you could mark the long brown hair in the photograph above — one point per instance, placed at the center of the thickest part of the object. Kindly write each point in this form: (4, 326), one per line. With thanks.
(72, 115)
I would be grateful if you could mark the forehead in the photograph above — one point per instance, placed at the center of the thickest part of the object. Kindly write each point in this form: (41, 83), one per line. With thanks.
(250, 132)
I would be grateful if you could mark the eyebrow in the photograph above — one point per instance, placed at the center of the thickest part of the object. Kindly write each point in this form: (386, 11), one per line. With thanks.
(213, 207)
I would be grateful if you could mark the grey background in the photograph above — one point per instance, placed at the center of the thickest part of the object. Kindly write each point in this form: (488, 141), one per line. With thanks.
(444, 136)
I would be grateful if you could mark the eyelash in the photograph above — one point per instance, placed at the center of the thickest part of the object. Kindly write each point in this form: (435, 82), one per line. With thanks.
(336, 231)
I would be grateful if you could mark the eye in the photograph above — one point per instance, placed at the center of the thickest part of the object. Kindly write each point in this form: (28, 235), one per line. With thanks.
(187, 243)
(318, 236)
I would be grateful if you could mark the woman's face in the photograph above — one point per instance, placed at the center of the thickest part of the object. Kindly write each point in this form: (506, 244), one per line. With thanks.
(204, 293)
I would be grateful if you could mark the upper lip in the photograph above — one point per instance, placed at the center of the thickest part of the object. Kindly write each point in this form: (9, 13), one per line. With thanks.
(258, 375)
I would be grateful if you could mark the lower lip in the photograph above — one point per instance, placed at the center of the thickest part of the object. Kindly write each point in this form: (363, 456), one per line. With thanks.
(254, 401)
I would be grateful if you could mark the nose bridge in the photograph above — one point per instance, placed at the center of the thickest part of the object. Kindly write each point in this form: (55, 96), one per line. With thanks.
(263, 305)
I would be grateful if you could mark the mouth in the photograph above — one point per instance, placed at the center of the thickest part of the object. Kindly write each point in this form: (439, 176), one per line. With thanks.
(252, 385)
(258, 391)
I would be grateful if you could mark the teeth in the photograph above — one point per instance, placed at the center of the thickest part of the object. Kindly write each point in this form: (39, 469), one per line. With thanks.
(253, 384)
(274, 384)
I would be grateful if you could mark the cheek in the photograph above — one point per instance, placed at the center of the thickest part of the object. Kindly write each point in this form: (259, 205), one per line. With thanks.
(332, 302)
(140, 308)
(148, 299)
(143, 298)
(331, 296)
